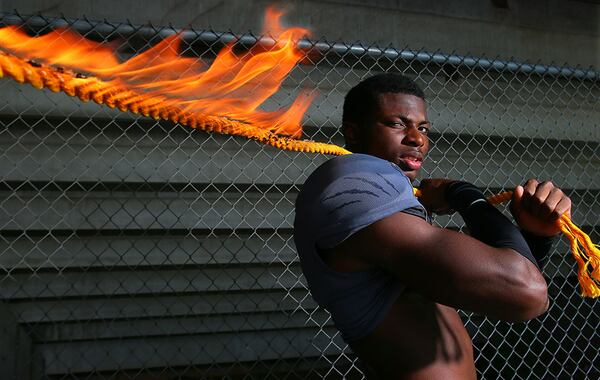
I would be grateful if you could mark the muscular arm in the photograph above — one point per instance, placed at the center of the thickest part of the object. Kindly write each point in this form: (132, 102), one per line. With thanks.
(451, 268)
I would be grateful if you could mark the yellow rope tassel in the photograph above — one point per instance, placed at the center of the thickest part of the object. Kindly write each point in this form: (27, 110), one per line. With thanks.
(587, 255)
(585, 252)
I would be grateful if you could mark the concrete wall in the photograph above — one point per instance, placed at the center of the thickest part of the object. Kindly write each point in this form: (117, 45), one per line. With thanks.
(17, 359)
(557, 31)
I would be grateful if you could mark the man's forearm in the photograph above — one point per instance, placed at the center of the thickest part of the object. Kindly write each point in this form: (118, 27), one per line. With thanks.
(540, 246)
(485, 222)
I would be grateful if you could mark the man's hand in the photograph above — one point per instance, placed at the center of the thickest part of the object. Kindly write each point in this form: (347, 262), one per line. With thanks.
(537, 206)
(433, 195)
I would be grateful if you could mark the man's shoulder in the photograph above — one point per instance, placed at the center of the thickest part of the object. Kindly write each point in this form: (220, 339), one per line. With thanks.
(352, 185)
(355, 165)
(347, 194)
(353, 162)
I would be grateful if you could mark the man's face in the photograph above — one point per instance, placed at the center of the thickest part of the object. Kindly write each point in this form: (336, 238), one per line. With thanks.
(398, 132)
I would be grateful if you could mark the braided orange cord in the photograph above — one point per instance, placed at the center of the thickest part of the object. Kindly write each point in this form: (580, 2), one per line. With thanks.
(494, 199)
(125, 99)
(500, 198)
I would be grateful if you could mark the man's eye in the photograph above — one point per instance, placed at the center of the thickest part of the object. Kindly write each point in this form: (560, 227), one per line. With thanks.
(424, 130)
(397, 124)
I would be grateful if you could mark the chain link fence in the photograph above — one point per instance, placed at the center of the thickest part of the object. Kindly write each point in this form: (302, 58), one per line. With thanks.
(134, 248)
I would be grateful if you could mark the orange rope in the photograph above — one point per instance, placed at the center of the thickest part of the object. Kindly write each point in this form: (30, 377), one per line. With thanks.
(585, 252)
(125, 99)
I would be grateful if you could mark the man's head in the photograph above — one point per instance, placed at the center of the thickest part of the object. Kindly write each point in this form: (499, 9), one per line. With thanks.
(385, 116)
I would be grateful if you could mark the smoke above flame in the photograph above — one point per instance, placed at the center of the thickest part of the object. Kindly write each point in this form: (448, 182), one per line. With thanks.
(233, 86)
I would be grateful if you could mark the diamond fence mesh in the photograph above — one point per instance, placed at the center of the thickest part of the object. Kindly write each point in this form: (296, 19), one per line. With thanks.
(135, 248)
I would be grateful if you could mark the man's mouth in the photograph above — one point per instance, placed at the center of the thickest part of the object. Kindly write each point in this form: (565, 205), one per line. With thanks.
(410, 162)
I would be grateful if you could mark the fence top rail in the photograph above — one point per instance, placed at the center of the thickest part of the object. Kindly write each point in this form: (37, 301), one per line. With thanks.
(105, 29)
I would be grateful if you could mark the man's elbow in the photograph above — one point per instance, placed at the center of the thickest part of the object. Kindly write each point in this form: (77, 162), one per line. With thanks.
(534, 303)
(532, 296)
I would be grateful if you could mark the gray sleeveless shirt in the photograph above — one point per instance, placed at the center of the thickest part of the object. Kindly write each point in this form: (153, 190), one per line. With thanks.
(343, 196)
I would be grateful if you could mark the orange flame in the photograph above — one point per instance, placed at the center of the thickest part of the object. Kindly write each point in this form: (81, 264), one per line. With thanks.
(234, 86)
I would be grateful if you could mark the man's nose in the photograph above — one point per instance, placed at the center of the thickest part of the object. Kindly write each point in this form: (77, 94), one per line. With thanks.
(413, 137)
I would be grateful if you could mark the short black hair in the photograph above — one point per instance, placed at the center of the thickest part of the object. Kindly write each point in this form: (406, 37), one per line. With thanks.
(363, 97)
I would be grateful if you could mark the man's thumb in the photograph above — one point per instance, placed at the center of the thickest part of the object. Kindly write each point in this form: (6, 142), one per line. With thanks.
(517, 196)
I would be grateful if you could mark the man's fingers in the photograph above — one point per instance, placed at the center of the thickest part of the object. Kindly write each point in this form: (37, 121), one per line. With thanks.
(516, 199)
(544, 200)
(535, 196)
(528, 192)
(548, 209)
(563, 207)
(518, 193)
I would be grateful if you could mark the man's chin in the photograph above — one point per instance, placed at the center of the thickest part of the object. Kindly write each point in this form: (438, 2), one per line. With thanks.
(411, 174)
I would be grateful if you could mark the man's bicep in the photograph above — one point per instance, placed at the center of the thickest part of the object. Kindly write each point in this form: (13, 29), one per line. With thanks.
(443, 265)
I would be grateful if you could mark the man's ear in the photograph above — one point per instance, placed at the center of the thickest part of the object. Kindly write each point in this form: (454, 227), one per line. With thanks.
(351, 133)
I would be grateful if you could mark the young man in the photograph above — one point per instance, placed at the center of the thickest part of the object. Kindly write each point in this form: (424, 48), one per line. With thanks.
(392, 281)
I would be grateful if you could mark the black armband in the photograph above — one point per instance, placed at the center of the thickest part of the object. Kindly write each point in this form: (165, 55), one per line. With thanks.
(461, 195)
(485, 222)
(540, 246)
